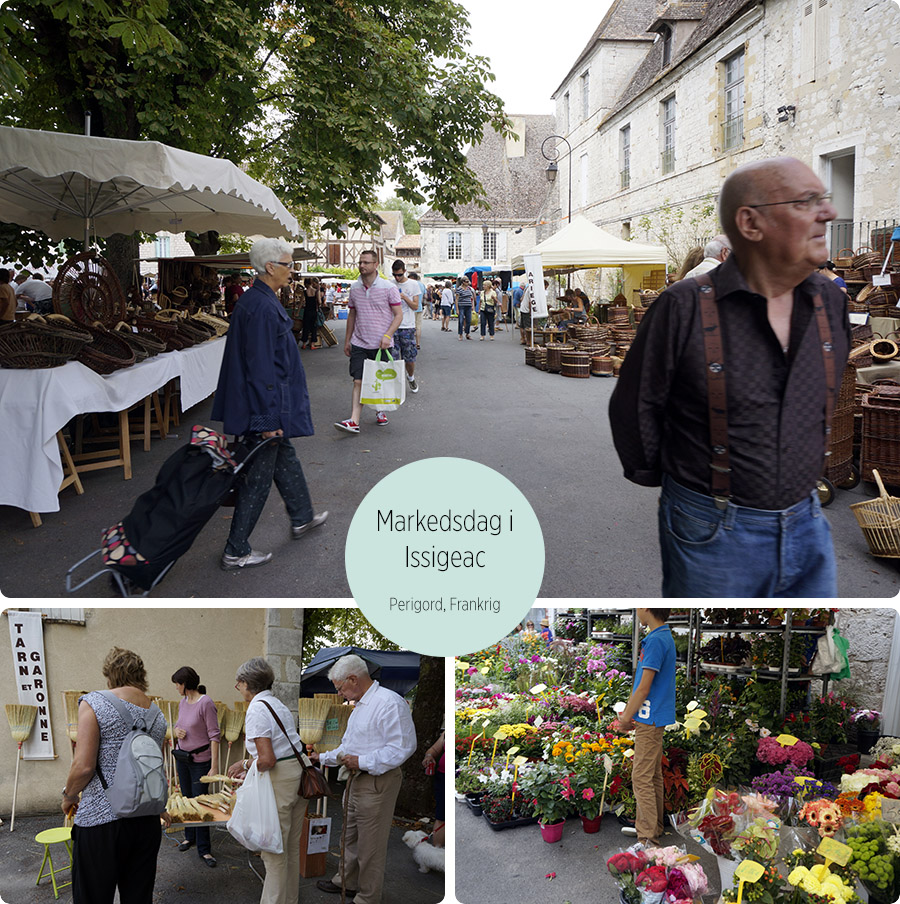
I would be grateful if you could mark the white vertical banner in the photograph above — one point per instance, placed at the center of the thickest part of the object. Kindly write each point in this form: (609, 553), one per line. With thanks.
(26, 633)
(534, 281)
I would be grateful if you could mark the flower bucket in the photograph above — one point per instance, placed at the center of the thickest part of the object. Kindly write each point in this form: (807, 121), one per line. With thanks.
(591, 826)
(866, 739)
(553, 832)
(726, 871)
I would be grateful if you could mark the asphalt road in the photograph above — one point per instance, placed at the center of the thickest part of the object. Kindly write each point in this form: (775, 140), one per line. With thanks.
(548, 434)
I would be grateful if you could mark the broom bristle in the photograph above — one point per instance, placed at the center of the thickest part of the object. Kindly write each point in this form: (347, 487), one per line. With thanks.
(234, 724)
(170, 711)
(240, 706)
(71, 699)
(312, 713)
(335, 699)
(21, 717)
(335, 726)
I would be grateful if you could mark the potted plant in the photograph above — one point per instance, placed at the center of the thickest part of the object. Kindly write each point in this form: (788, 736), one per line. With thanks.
(868, 729)
(470, 781)
(587, 784)
(552, 799)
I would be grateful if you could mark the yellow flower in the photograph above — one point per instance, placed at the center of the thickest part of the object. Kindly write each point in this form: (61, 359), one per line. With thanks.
(570, 758)
(798, 875)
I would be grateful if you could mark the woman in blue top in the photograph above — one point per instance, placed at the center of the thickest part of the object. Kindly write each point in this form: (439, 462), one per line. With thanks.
(262, 394)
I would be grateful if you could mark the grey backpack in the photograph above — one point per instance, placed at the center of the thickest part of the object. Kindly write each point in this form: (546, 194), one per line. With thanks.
(139, 787)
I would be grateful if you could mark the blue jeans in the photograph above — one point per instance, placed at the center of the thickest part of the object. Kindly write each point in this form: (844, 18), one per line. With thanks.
(189, 775)
(743, 552)
(278, 462)
(464, 318)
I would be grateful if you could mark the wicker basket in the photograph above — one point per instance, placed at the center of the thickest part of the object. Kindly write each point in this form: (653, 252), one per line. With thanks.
(530, 355)
(36, 344)
(108, 352)
(145, 345)
(844, 258)
(881, 433)
(540, 358)
(861, 356)
(880, 522)
(554, 355)
(574, 363)
(601, 366)
(165, 332)
(884, 349)
(217, 323)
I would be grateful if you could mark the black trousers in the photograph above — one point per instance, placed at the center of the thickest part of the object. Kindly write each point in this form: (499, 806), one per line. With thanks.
(119, 854)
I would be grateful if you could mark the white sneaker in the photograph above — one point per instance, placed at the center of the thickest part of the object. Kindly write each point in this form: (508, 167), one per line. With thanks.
(251, 560)
(413, 386)
(630, 831)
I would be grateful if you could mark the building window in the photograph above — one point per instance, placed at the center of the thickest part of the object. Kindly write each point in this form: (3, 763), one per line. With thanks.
(585, 95)
(489, 246)
(454, 246)
(62, 616)
(668, 135)
(565, 111)
(625, 157)
(665, 33)
(163, 246)
(733, 136)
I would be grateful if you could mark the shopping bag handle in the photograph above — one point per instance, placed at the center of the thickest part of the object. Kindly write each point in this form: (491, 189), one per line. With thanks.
(379, 358)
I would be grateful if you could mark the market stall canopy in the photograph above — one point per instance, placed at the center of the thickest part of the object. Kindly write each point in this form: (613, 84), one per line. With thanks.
(396, 670)
(238, 261)
(583, 245)
(65, 184)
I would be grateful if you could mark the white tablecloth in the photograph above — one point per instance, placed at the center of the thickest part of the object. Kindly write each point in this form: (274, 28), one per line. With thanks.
(35, 404)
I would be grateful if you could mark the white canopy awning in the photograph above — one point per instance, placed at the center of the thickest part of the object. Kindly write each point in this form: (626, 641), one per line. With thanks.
(582, 245)
(65, 183)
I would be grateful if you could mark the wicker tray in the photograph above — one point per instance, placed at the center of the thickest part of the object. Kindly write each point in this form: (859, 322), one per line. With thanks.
(36, 344)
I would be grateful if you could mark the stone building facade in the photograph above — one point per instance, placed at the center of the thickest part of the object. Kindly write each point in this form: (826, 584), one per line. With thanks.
(668, 98)
(513, 173)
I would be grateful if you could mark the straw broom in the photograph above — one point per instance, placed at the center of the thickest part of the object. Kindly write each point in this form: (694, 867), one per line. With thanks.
(336, 699)
(170, 711)
(21, 718)
(234, 725)
(71, 699)
(312, 713)
(335, 726)
(221, 708)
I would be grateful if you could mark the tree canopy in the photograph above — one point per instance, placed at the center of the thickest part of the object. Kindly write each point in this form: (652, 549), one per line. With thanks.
(320, 99)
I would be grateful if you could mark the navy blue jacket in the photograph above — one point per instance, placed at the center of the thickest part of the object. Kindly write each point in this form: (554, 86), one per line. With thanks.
(262, 385)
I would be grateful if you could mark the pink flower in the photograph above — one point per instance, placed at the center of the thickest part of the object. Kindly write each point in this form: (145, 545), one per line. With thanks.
(471, 671)
(587, 794)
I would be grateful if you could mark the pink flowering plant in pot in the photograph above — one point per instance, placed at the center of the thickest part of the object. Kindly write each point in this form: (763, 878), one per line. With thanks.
(550, 793)
(769, 751)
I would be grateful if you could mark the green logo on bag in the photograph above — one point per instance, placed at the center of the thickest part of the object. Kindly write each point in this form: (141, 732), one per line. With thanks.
(386, 374)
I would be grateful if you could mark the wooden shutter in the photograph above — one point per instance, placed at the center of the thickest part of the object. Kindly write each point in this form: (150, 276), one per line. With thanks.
(807, 71)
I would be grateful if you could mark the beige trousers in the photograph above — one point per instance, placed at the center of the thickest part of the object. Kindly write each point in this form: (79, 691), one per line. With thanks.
(647, 782)
(369, 814)
(282, 885)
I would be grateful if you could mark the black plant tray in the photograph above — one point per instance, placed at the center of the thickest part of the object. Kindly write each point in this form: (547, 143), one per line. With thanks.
(510, 823)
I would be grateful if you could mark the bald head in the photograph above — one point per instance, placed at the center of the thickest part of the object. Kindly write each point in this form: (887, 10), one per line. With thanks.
(755, 183)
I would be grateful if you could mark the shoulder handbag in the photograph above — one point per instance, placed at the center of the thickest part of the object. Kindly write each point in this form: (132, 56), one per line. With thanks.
(313, 784)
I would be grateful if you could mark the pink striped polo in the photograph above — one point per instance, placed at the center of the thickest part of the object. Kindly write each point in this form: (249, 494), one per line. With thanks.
(375, 309)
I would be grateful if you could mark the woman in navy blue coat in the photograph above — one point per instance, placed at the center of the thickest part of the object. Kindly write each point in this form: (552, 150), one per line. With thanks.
(262, 394)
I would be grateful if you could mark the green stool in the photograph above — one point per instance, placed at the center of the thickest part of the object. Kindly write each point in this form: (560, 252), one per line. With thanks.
(46, 838)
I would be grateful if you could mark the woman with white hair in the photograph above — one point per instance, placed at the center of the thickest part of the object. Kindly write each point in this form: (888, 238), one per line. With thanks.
(270, 745)
(262, 394)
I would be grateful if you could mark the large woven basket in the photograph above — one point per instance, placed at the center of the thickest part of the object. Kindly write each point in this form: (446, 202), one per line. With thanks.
(144, 345)
(880, 522)
(575, 363)
(601, 366)
(36, 344)
(217, 323)
(163, 330)
(107, 353)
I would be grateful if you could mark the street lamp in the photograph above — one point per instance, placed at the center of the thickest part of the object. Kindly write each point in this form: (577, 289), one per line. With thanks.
(553, 169)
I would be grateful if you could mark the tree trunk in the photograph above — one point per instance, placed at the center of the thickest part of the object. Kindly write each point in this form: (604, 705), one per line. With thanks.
(205, 243)
(416, 793)
(122, 252)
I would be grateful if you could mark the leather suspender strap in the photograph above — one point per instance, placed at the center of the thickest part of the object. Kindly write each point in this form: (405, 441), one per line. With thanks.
(717, 400)
(826, 338)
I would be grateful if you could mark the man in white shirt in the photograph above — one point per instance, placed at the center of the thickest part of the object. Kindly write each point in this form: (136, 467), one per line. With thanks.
(405, 338)
(714, 252)
(36, 294)
(380, 737)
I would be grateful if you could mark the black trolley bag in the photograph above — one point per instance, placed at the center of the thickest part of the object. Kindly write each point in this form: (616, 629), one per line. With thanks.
(193, 482)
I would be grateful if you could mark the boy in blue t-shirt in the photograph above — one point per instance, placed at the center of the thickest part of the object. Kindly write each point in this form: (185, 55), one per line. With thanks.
(650, 708)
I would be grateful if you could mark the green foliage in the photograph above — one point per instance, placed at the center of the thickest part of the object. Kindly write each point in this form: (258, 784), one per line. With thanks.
(340, 627)
(680, 227)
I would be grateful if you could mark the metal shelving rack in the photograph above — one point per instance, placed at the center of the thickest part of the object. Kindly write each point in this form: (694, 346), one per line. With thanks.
(787, 630)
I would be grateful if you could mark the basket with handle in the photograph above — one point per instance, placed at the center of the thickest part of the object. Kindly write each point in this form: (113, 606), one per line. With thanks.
(844, 258)
(36, 343)
(107, 352)
(879, 520)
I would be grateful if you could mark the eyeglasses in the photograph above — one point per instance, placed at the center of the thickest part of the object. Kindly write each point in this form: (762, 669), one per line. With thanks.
(816, 201)
(287, 264)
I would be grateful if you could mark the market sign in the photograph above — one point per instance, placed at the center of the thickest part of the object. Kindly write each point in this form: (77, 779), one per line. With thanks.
(26, 634)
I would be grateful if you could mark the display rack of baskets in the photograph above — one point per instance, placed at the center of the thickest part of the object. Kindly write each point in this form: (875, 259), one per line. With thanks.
(37, 344)
(881, 434)
(87, 290)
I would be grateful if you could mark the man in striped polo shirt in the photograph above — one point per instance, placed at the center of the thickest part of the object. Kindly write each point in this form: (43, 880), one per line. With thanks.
(374, 313)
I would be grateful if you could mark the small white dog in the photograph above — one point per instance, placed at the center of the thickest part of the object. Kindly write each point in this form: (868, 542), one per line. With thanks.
(426, 855)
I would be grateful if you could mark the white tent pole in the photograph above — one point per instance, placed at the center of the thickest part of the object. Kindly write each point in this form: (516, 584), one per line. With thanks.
(87, 219)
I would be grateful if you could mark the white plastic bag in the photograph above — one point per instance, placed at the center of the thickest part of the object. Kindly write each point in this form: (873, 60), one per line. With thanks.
(829, 658)
(383, 382)
(254, 819)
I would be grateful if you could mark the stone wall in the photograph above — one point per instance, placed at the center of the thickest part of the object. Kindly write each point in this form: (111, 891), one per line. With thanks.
(870, 631)
(283, 644)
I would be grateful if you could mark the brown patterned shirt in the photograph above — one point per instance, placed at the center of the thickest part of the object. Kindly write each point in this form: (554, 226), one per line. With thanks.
(776, 401)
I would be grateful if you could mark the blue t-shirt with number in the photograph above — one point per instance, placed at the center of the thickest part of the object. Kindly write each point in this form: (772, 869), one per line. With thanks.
(657, 653)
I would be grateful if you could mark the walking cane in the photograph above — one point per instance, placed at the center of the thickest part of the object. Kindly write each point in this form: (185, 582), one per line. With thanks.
(344, 837)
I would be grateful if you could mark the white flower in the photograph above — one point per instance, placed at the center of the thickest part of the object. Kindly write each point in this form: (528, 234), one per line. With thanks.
(764, 732)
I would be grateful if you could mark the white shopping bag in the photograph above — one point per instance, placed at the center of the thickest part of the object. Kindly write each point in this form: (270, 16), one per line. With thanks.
(383, 382)
(254, 820)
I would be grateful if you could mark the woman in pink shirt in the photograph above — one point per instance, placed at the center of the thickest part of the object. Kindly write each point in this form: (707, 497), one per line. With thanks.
(197, 750)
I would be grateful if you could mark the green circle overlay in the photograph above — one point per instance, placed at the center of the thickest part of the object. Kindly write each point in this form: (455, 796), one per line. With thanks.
(440, 591)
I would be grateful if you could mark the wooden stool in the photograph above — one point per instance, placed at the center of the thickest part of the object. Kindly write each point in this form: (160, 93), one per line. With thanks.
(70, 474)
(120, 457)
(62, 835)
